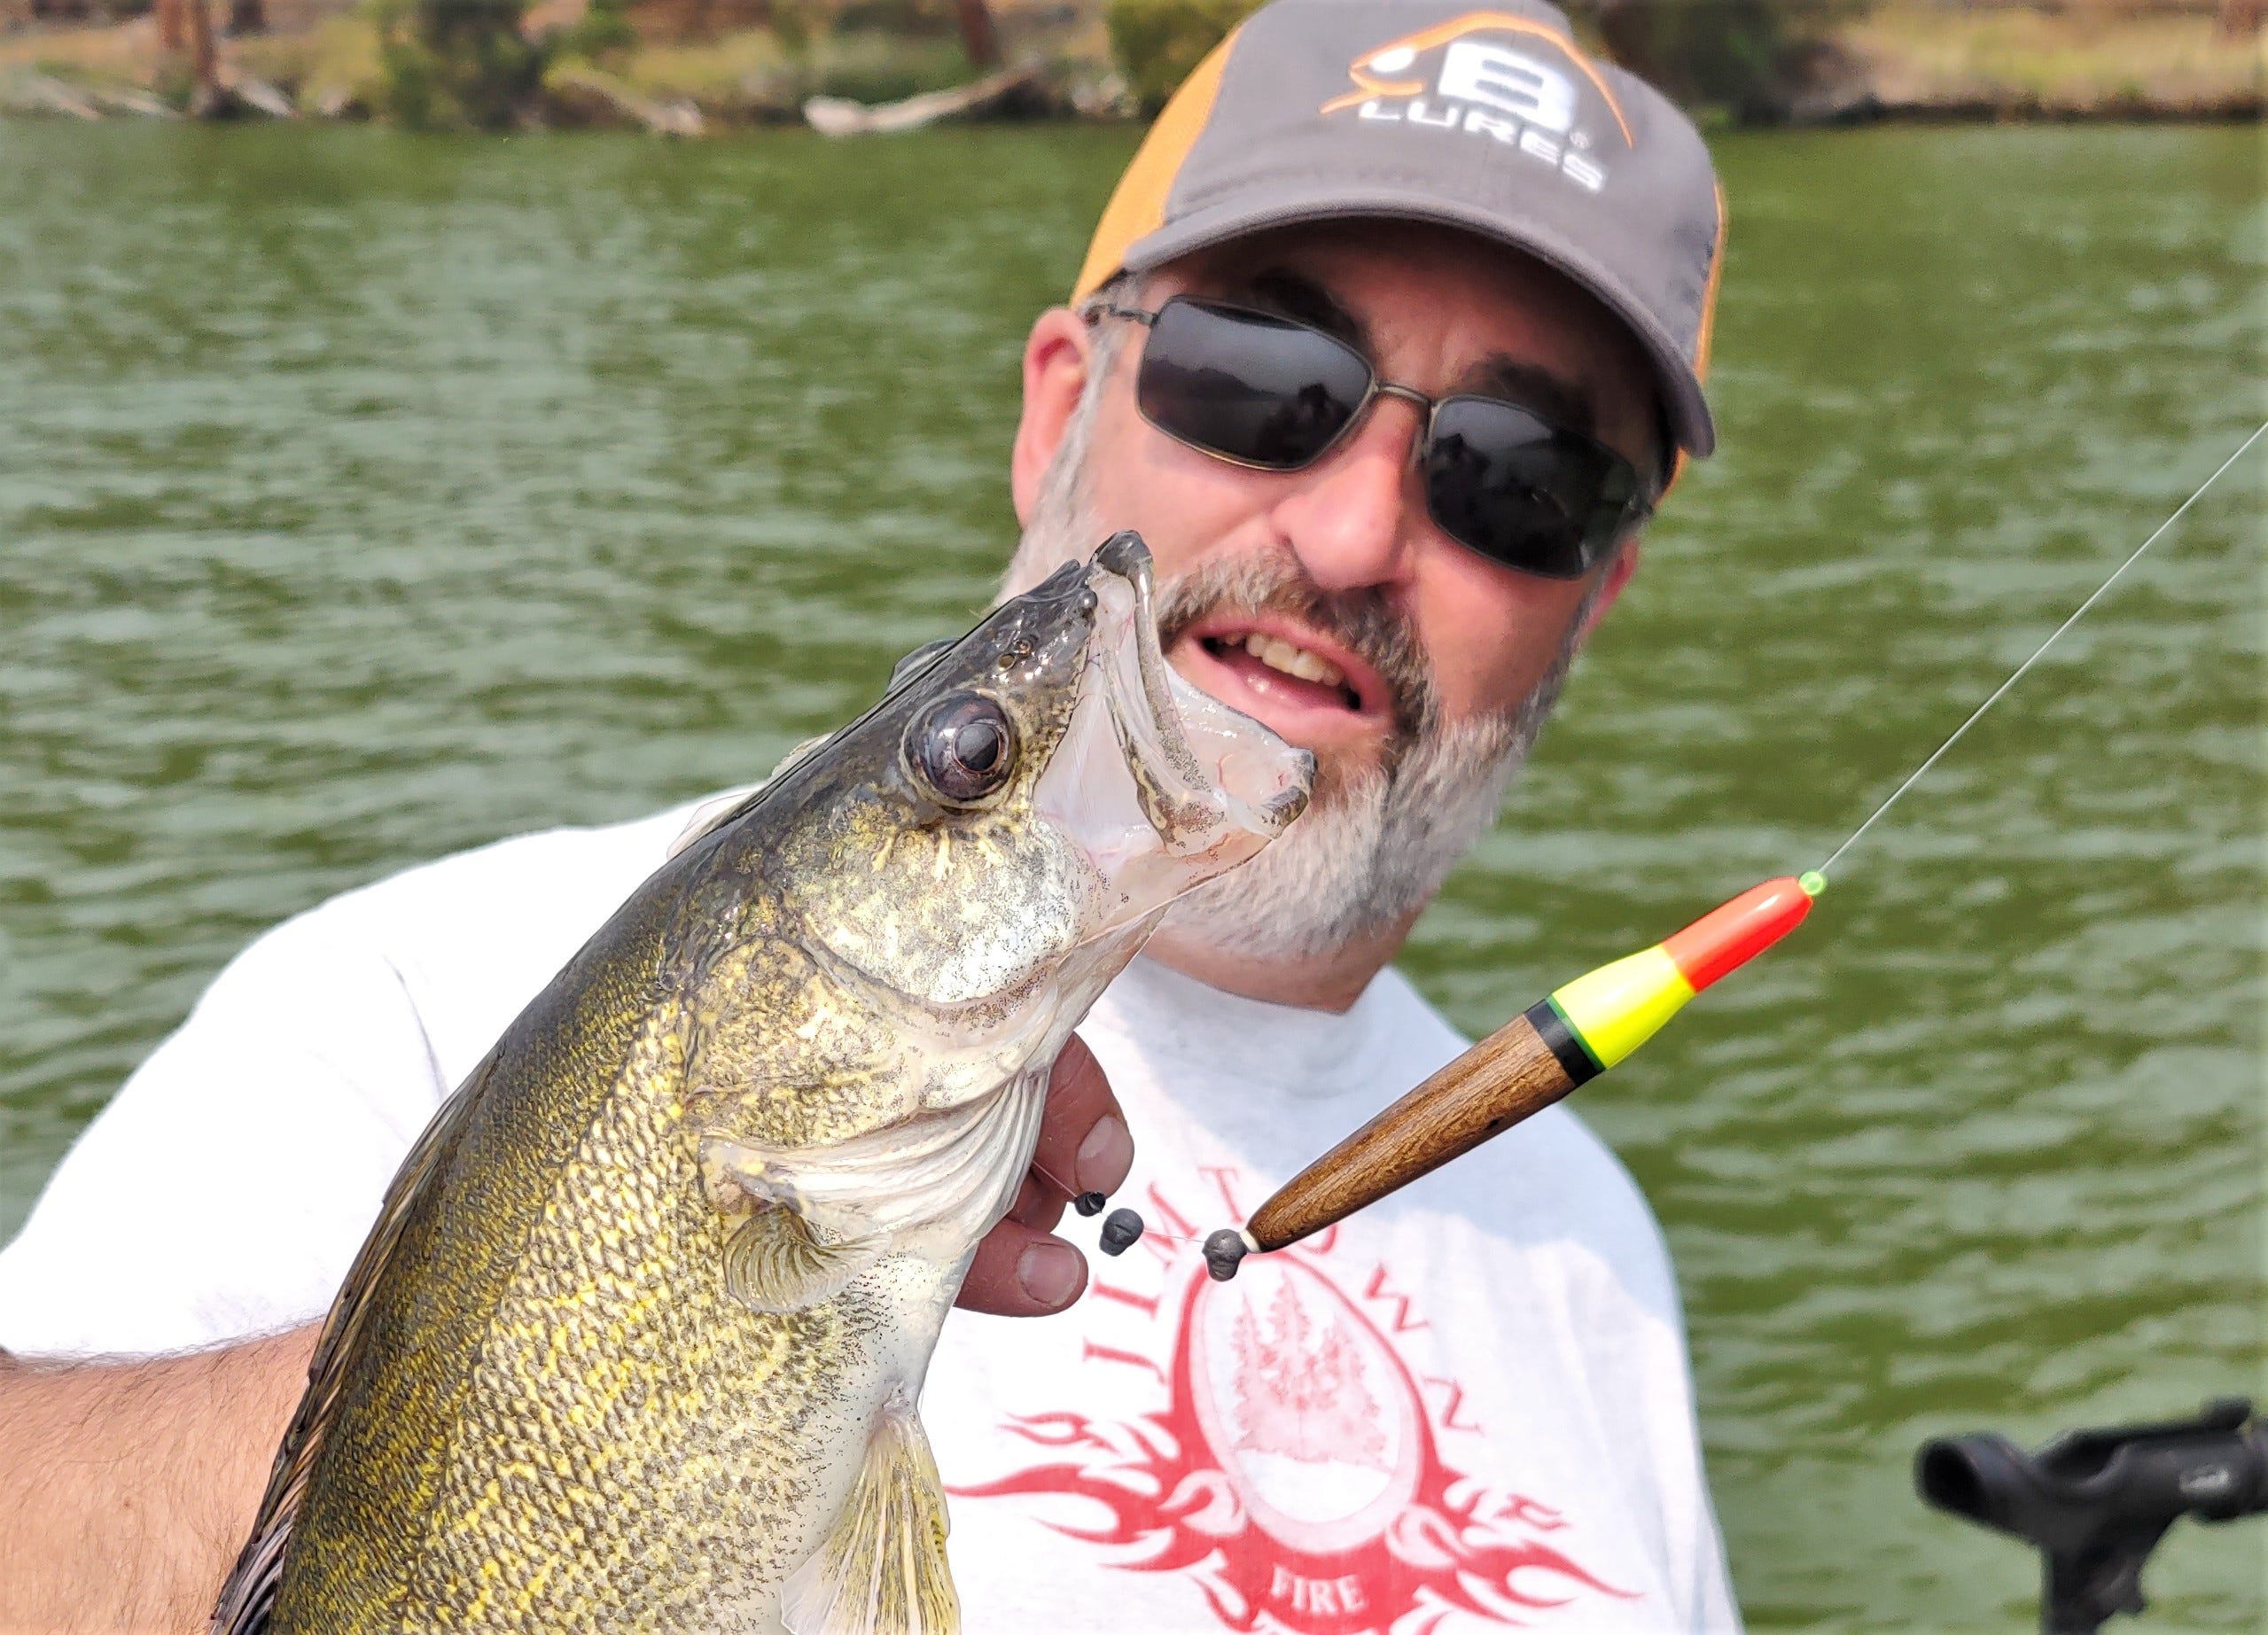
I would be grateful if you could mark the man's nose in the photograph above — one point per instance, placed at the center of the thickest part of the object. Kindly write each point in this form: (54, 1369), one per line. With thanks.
(1350, 516)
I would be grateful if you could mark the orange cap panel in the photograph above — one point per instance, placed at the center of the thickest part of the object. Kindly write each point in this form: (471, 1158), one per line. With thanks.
(1137, 206)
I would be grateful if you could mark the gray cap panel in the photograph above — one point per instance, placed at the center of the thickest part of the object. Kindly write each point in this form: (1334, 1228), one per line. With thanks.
(1483, 119)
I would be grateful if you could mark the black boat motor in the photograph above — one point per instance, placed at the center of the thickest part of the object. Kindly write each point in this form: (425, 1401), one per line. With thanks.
(2096, 1502)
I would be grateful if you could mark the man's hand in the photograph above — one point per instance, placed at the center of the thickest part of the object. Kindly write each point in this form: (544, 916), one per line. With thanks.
(1022, 1269)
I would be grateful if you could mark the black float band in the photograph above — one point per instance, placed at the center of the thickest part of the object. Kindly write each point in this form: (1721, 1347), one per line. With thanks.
(1575, 1056)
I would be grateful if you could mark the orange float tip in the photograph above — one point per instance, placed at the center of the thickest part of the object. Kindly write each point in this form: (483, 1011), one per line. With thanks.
(1728, 937)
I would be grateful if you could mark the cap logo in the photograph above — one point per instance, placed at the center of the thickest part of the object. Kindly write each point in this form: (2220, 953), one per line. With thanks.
(1502, 78)
(1466, 76)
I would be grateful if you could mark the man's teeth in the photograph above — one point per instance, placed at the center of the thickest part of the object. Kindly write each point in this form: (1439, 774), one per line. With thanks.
(1278, 654)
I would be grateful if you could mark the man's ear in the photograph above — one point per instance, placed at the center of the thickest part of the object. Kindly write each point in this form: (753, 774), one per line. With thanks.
(1619, 573)
(1054, 375)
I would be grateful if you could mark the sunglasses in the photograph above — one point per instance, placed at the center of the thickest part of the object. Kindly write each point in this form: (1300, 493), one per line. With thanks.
(1272, 393)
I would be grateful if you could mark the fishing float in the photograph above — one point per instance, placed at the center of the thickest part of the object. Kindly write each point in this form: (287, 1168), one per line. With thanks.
(1577, 1031)
(1557, 1044)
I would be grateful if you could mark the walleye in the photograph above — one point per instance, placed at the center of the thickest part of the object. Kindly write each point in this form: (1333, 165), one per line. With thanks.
(637, 1340)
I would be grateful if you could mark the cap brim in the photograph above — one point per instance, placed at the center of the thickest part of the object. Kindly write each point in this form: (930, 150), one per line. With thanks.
(1690, 423)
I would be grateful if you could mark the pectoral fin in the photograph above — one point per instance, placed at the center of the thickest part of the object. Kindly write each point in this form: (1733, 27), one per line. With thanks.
(953, 1171)
(774, 1262)
(882, 1571)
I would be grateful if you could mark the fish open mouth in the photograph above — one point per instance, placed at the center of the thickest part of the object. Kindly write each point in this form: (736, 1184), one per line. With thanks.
(1199, 764)
(1192, 787)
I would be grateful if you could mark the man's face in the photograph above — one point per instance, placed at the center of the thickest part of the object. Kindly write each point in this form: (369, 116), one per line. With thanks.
(1325, 601)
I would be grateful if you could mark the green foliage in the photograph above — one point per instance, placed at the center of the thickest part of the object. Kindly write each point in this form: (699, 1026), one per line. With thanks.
(750, 75)
(795, 23)
(868, 65)
(455, 65)
(602, 33)
(1158, 41)
(171, 80)
(926, 18)
(1747, 59)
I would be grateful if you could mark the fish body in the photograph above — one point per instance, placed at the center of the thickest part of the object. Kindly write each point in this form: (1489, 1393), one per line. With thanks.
(638, 1340)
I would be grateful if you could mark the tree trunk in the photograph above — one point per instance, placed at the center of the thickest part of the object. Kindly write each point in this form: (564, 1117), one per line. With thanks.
(977, 37)
(202, 67)
(172, 27)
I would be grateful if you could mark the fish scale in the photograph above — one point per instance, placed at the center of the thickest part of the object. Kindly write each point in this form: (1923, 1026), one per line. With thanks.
(680, 1446)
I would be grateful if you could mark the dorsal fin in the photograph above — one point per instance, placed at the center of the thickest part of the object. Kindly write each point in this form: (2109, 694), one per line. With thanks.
(719, 810)
(714, 812)
(251, 1588)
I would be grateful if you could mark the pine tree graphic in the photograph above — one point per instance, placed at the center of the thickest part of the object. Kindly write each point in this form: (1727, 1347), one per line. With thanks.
(1300, 1392)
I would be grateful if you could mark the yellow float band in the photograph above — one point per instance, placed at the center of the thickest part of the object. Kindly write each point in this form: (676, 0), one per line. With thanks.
(1617, 1007)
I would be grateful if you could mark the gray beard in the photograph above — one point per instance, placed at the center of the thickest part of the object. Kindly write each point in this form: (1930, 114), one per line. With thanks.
(1374, 847)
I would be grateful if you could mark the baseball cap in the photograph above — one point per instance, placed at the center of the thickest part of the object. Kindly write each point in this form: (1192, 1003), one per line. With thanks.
(1496, 122)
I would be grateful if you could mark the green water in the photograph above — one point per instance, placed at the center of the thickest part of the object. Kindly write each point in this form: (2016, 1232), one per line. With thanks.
(364, 496)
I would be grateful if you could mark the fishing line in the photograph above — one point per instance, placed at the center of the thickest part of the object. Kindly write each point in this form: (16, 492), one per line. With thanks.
(1581, 1030)
(2100, 590)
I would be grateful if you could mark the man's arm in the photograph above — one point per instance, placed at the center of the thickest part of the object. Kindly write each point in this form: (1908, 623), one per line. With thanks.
(127, 1489)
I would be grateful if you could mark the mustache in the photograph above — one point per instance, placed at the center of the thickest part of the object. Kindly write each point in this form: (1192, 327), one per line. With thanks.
(1361, 621)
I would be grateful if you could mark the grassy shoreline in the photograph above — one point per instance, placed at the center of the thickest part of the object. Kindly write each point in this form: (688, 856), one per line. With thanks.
(1909, 63)
(1899, 62)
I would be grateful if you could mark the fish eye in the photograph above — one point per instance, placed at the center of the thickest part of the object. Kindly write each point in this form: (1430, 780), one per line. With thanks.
(963, 747)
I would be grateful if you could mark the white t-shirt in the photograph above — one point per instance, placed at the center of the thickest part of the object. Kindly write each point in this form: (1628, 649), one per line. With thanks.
(1468, 1406)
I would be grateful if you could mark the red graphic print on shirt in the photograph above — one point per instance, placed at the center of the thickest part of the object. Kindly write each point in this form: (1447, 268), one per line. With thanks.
(1292, 1469)
(1300, 1393)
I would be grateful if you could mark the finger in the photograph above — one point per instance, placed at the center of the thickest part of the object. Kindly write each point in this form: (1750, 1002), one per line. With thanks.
(1021, 1269)
(1021, 1272)
(1084, 1144)
(1038, 1203)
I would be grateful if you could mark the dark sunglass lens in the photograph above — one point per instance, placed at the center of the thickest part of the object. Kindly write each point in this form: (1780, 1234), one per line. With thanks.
(1256, 388)
(1521, 492)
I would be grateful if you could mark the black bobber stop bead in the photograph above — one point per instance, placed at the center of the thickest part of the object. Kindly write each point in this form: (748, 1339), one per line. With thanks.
(1121, 1231)
(1089, 1202)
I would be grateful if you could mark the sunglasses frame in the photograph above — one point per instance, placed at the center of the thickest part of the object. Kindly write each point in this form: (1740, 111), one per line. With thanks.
(1635, 509)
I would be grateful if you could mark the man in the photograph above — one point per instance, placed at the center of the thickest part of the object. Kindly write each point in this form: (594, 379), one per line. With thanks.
(1387, 342)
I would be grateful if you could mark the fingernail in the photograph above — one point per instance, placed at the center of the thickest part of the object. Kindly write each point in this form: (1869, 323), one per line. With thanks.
(1051, 1273)
(1105, 1155)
